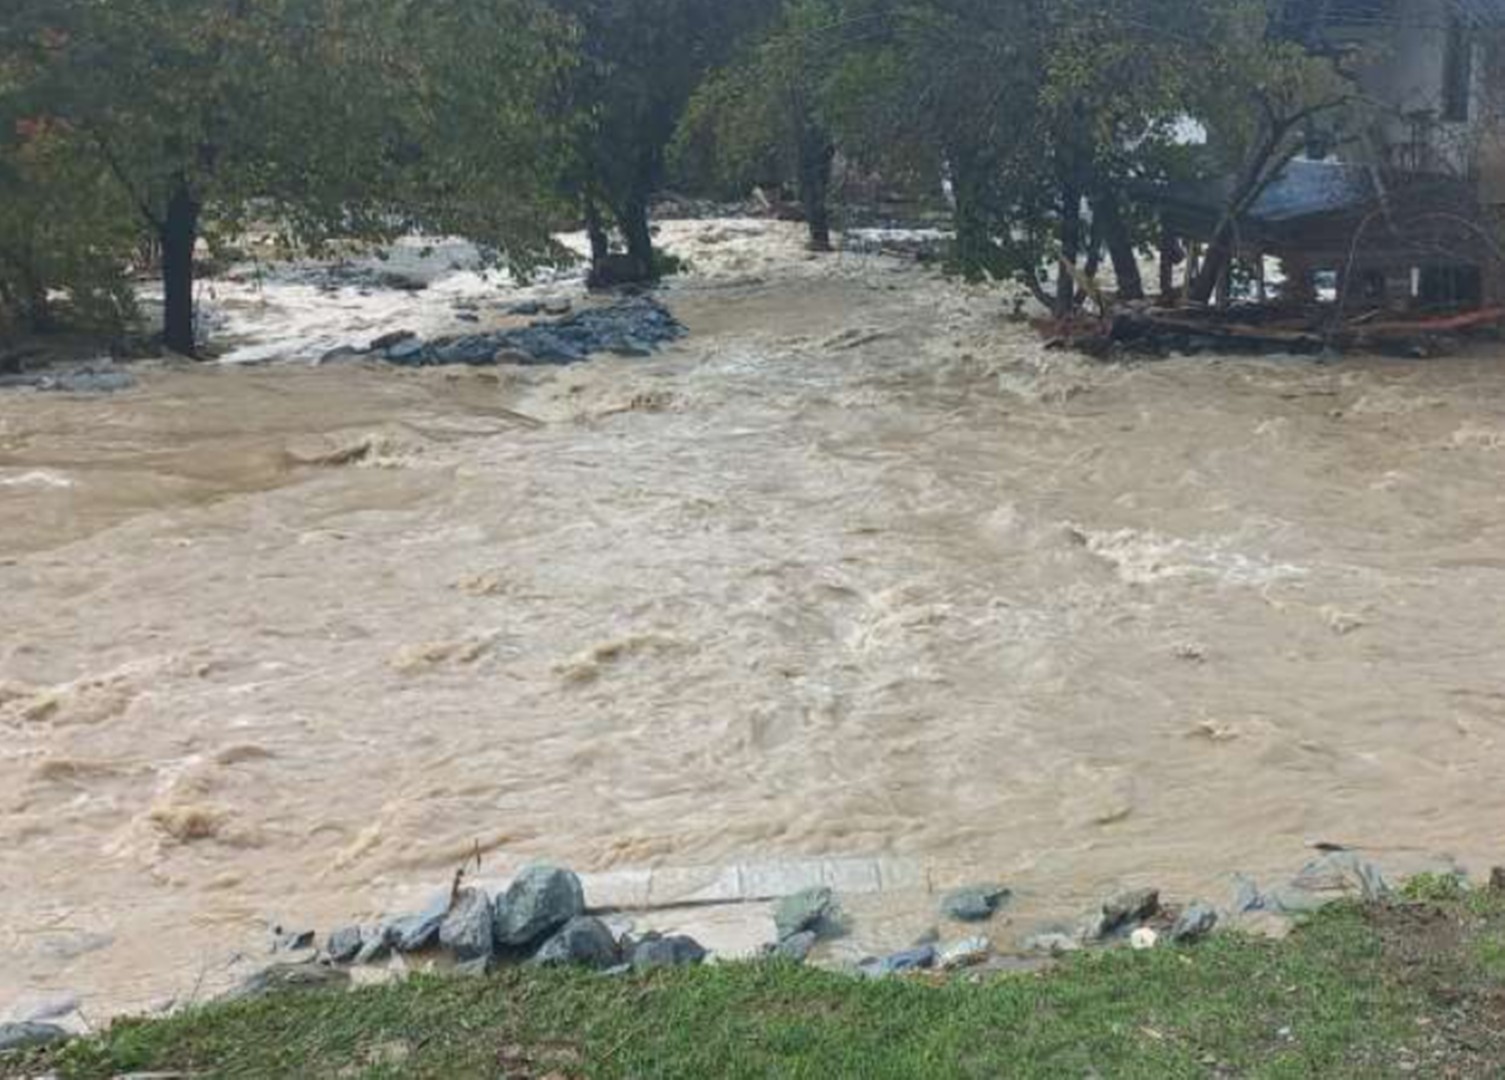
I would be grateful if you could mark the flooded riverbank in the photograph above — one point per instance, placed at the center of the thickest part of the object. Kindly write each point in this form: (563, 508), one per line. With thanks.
(856, 569)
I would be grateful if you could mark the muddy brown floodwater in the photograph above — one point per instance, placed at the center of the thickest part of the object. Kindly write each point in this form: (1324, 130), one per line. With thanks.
(856, 569)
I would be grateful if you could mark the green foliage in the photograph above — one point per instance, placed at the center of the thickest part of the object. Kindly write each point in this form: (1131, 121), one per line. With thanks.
(66, 238)
(748, 121)
(356, 119)
(1435, 887)
(1343, 997)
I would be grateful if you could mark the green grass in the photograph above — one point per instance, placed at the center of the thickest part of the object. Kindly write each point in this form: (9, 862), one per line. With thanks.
(1413, 989)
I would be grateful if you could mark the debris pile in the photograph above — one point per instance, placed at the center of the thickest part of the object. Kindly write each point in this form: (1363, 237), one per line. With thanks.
(1266, 329)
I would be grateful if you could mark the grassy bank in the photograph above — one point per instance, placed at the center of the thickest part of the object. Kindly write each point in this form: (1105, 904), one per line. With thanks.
(1414, 988)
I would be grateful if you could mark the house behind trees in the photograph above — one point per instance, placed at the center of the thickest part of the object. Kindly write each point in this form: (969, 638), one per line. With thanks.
(1400, 193)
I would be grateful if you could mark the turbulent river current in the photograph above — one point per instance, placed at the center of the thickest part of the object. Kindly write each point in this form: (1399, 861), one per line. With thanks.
(856, 568)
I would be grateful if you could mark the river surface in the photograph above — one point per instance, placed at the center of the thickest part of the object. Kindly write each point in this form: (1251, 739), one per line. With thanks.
(857, 568)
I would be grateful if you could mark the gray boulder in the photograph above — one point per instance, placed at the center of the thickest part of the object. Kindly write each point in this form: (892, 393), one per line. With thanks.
(1194, 924)
(344, 945)
(583, 942)
(540, 901)
(404, 352)
(975, 903)
(1128, 908)
(815, 910)
(673, 951)
(796, 947)
(414, 933)
(467, 929)
(29, 1035)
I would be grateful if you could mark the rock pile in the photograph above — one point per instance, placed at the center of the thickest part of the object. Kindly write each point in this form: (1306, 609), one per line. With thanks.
(540, 919)
(636, 326)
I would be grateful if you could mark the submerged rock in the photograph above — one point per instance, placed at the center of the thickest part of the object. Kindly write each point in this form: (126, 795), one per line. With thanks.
(540, 901)
(917, 959)
(975, 903)
(30, 1034)
(79, 380)
(396, 337)
(674, 951)
(405, 351)
(467, 929)
(814, 910)
(584, 942)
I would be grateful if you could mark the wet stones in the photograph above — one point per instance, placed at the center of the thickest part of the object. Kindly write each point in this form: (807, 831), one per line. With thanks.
(920, 958)
(975, 903)
(673, 951)
(467, 930)
(1133, 906)
(540, 901)
(584, 941)
(343, 945)
(1196, 922)
(968, 952)
(414, 933)
(814, 910)
(633, 327)
(1051, 943)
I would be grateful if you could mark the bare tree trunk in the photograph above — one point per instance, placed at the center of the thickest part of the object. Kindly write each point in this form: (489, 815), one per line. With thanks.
(179, 233)
(1115, 234)
(595, 231)
(633, 218)
(1071, 245)
(1170, 255)
(816, 157)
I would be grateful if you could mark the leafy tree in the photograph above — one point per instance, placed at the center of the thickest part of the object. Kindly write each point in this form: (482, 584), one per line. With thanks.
(1260, 113)
(766, 106)
(639, 62)
(355, 118)
(63, 230)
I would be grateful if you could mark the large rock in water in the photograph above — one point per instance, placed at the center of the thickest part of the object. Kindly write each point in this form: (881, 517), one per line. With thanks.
(467, 930)
(540, 901)
(584, 942)
(976, 903)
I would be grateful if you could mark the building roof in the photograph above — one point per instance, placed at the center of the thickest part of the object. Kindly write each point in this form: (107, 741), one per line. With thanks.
(1303, 189)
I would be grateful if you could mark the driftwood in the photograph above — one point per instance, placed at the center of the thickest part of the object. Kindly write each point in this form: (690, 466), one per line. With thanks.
(1262, 329)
